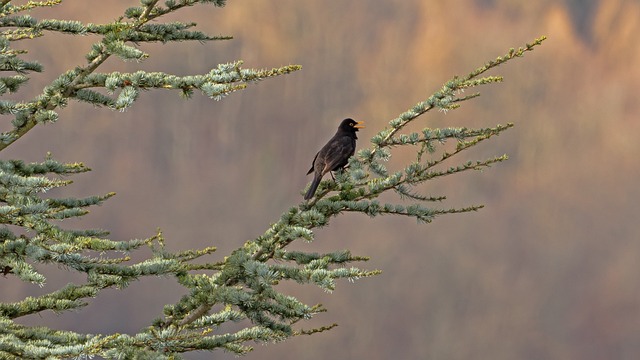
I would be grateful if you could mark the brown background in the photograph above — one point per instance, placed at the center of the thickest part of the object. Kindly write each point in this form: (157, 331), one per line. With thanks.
(548, 270)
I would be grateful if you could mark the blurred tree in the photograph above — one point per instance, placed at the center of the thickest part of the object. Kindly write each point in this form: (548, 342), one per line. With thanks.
(241, 287)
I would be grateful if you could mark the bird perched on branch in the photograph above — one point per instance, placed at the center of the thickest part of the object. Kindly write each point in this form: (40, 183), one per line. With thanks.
(335, 154)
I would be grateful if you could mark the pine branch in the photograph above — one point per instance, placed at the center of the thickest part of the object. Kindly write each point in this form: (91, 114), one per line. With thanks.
(75, 83)
(446, 99)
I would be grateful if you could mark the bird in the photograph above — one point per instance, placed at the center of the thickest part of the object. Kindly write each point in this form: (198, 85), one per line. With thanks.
(335, 154)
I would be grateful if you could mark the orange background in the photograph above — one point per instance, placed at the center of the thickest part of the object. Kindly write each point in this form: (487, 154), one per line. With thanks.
(547, 270)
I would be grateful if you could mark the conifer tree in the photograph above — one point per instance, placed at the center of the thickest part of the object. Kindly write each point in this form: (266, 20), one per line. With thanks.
(232, 288)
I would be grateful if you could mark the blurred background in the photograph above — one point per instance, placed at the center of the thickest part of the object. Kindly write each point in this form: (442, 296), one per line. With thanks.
(547, 270)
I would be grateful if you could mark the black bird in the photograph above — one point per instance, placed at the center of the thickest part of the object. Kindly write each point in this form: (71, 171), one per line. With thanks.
(335, 154)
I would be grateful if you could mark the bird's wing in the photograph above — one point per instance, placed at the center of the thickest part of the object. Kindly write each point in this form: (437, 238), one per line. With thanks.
(313, 164)
(337, 154)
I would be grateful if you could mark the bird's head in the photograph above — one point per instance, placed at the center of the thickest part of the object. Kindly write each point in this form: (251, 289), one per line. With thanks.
(350, 125)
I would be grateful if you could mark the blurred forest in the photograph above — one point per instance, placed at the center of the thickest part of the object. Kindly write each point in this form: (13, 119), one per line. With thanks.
(547, 270)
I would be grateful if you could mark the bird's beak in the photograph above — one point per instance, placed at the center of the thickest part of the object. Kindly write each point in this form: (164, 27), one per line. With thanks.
(359, 125)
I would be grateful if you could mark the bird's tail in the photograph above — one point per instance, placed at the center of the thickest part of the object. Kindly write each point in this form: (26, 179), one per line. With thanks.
(314, 185)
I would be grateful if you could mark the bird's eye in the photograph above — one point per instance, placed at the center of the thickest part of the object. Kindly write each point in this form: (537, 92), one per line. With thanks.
(351, 124)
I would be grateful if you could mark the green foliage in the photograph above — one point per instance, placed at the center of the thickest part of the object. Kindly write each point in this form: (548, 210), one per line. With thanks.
(119, 38)
(243, 286)
(368, 176)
